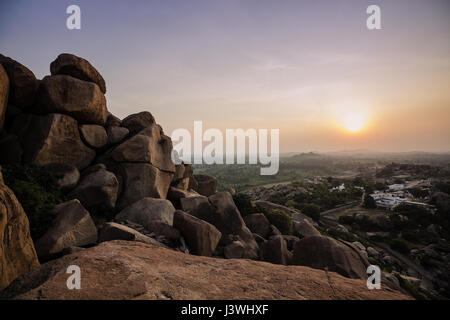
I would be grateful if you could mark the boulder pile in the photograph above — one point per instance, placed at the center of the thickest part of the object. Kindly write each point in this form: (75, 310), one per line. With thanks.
(120, 183)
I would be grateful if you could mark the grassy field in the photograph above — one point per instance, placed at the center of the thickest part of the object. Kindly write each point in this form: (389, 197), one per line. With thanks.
(241, 177)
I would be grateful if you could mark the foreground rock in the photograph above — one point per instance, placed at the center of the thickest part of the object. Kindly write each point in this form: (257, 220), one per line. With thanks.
(201, 237)
(17, 253)
(77, 67)
(323, 252)
(79, 99)
(114, 231)
(132, 270)
(73, 226)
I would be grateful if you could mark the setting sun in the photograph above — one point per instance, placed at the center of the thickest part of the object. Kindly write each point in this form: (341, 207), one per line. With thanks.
(354, 122)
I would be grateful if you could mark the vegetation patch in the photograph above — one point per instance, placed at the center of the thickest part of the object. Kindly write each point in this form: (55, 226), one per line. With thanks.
(281, 220)
(37, 192)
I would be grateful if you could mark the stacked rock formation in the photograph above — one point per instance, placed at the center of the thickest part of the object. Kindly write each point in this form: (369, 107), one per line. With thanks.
(104, 164)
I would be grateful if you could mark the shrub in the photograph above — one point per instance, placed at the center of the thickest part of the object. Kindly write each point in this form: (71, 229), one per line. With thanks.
(346, 220)
(369, 202)
(37, 192)
(281, 220)
(399, 245)
(312, 211)
(244, 204)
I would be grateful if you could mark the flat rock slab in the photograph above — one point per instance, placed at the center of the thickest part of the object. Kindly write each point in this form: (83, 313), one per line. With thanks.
(133, 270)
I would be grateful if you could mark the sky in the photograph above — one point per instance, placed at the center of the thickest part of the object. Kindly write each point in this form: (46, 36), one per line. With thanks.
(311, 69)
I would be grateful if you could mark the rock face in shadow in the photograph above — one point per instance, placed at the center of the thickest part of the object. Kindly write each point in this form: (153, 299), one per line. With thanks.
(321, 252)
(73, 226)
(201, 237)
(55, 138)
(4, 92)
(17, 253)
(133, 270)
(79, 99)
(70, 64)
(23, 83)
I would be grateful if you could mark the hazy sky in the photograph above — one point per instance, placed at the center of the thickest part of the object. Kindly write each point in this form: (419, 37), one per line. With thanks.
(305, 67)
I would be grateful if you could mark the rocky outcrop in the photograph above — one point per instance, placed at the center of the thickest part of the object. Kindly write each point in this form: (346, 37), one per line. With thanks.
(141, 180)
(17, 253)
(138, 121)
(133, 270)
(4, 92)
(97, 190)
(305, 229)
(258, 223)
(220, 211)
(79, 99)
(23, 83)
(267, 206)
(116, 134)
(275, 250)
(323, 252)
(77, 67)
(148, 146)
(147, 210)
(73, 226)
(54, 138)
(94, 135)
(201, 237)
(206, 185)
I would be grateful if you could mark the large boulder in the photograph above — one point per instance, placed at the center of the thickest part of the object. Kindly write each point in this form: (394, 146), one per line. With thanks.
(258, 223)
(305, 229)
(73, 226)
(97, 190)
(114, 231)
(275, 250)
(175, 195)
(79, 99)
(77, 67)
(94, 135)
(4, 92)
(207, 185)
(138, 121)
(116, 134)
(220, 211)
(17, 253)
(147, 210)
(129, 270)
(22, 82)
(201, 237)
(148, 146)
(323, 252)
(54, 138)
(142, 180)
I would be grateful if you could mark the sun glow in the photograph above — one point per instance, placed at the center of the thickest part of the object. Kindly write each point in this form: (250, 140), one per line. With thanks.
(354, 122)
